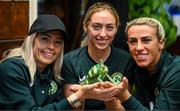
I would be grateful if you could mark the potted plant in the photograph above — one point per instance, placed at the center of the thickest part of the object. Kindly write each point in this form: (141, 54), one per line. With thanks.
(155, 9)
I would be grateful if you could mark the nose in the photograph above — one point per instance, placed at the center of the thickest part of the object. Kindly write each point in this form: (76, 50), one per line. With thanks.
(103, 32)
(139, 46)
(51, 45)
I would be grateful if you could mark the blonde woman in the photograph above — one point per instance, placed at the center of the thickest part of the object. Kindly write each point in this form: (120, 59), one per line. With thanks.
(100, 25)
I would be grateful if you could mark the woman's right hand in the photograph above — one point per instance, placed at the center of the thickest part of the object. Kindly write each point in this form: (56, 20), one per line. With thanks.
(104, 91)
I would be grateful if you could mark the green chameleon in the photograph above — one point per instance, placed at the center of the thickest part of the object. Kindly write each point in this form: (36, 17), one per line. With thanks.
(98, 73)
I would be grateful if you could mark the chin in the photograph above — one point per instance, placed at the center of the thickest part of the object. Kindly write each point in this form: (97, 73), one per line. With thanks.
(102, 47)
(47, 61)
(143, 65)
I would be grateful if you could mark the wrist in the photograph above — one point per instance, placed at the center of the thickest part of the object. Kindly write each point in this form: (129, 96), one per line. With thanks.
(124, 96)
(74, 100)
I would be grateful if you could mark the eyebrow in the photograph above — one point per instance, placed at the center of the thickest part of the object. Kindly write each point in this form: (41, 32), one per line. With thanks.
(58, 37)
(45, 34)
(102, 24)
(146, 36)
(141, 37)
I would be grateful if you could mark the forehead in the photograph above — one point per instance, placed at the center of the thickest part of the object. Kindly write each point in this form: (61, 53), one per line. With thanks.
(141, 30)
(104, 15)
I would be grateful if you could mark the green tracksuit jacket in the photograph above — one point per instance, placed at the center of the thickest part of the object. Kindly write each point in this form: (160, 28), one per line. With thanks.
(161, 91)
(18, 93)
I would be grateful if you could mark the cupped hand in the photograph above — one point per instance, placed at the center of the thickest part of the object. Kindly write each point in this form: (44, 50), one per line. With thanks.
(104, 91)
(123, 85)
(124, 94)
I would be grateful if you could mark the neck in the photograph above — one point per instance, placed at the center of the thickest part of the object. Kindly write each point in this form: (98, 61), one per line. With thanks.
(40, 67)
(153, 67)
(96, 55)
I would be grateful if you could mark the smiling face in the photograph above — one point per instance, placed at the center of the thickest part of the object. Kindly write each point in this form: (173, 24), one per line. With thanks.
(101, 30)
(144, 46)
(47, 47)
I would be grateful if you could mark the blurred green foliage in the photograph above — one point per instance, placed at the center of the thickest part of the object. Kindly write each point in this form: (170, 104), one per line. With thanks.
(155, 9)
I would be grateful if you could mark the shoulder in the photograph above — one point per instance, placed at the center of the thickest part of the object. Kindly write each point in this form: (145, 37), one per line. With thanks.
(13, 66)
(120, 52)
(171, 70)
(75, 58)
(12, 62)
(121, 60)
(120, 55)
(75, 54)
(172, 61)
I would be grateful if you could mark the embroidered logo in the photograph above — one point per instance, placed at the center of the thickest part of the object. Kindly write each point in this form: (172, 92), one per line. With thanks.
(116, 77)
(82, 79)
(53, 88)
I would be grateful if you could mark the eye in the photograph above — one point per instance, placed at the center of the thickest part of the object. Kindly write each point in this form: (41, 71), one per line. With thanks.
(146, 40)
(110, 28)
(44, 37)
(132, 42)
(59, 42)
(96, 27)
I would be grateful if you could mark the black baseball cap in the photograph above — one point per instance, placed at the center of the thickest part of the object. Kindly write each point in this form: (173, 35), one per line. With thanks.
(48, 22)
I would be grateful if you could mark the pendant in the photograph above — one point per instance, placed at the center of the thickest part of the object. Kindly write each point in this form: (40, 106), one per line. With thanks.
(42, 91)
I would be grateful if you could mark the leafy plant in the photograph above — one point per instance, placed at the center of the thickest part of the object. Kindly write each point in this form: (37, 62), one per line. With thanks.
(155, 9)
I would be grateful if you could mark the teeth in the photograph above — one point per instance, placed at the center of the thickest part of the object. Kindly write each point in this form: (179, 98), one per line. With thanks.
(101, 41)
(48, 54)
(142, 56)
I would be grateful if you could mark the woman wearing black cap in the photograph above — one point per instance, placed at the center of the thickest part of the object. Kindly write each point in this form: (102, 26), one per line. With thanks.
(30, 75)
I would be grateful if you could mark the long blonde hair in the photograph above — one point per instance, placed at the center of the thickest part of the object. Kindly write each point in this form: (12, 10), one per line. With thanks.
(26, 52)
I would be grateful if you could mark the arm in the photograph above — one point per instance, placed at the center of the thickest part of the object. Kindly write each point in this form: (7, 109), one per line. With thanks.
(126, 99)
(69, 78)
(167, 98)
(129, 73)
(114, 104)
(15, 89)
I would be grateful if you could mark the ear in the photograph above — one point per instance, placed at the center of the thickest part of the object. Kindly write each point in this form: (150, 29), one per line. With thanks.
(161, 44)
(116, 30)
(85, 28)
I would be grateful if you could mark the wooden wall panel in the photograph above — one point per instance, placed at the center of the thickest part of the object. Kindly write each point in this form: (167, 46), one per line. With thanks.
(14, 23)
(14, 19)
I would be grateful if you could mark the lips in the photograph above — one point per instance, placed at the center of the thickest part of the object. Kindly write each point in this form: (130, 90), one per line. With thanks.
(102, 41)
(142, 56)
(48, 54)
